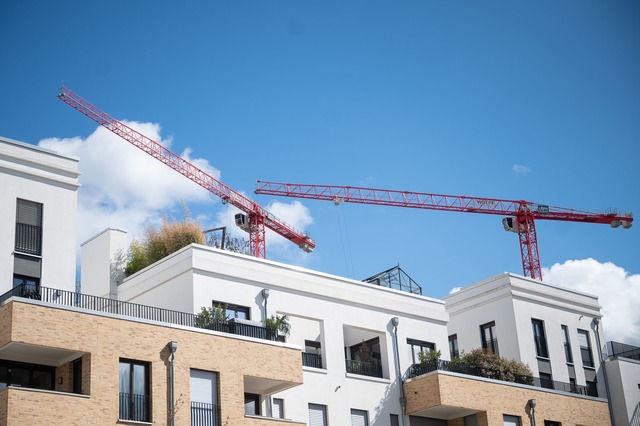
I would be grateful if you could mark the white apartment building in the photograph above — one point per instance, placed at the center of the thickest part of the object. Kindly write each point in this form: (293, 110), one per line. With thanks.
(331, 319)
(39, 205)
(556, 331)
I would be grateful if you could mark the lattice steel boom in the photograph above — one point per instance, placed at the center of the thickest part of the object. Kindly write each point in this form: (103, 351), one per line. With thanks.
(258, 217)
(521, 214)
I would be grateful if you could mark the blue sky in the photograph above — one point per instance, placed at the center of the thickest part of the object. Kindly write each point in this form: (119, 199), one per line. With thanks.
(515, 100)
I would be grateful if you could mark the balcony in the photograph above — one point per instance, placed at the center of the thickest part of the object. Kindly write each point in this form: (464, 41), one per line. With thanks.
(134, 407)
(203, 414)
(470, 370)
(310, 359)
(134, 310)
(437, 393)
(364, 368)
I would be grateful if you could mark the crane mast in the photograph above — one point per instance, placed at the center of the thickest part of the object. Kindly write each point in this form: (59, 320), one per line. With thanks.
(256, 219)
(521, 215)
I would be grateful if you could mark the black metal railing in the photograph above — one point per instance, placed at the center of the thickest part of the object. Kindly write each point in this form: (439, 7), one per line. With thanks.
(112, 306)
(310, 359)
(134, 407)
(28, 239)
(623, 350)
(491, 346)
(370, 369)
(541, 346)
(472, 370)
(203, 414)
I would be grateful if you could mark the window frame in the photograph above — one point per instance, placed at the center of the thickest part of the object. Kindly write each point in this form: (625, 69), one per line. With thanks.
(567, 344)
(539, 338)
(454, 350)
(29, 240)
(587, 349)
(232, 310)
(422, 345)
(492, 343)
(256, 399)
(364, 413)
(133, 412)
(280, 404)
(319, 408)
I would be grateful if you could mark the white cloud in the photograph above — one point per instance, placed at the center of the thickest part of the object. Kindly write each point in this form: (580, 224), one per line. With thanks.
(618, 292)
(123, 187)
(520, 169)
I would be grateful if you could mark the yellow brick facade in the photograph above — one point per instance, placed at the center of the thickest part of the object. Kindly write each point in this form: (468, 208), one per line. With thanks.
(492, 400)
(104, 340)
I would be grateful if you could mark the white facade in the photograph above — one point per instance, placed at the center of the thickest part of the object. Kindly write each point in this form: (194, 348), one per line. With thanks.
(623, 376)
(335, 312)
(509, 305)
(47, 179)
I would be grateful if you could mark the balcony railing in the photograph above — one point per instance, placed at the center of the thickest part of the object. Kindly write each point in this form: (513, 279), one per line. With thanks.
(364, 368)
(134, 407)
(310, 359)
(587, 357)
(472, 370)
(623, 350)
(28, 239)
(112, 306)
(203, 414)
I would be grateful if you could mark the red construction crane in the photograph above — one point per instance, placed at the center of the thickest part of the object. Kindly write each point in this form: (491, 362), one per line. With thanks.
(253, 219)
(521, 214)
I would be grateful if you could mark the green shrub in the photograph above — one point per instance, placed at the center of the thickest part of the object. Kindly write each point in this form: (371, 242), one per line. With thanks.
(159, 243)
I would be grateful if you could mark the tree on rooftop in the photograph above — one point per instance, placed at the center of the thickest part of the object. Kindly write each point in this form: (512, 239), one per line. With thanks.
(158, 243)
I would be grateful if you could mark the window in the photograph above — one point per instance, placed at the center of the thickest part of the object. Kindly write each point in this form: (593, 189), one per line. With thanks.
(28, 227)
(453, 346)
(488, 336)
(26, 375)
(567, 344)
(277, 408)
(417, 346)
(365, 358)
(546, 381)
(511, 420)
(251, 404)
(204, 398)
(551, 423)
(312, 357)
(585, 348)
(359, 418)
(77, 376)
(135, 400)
(234, 311)
(394, 420)
(29, 286)
(539, 338)
(317, 415)
(592, 388)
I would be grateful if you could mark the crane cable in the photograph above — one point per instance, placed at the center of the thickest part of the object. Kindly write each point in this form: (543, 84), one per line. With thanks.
(349, 261)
